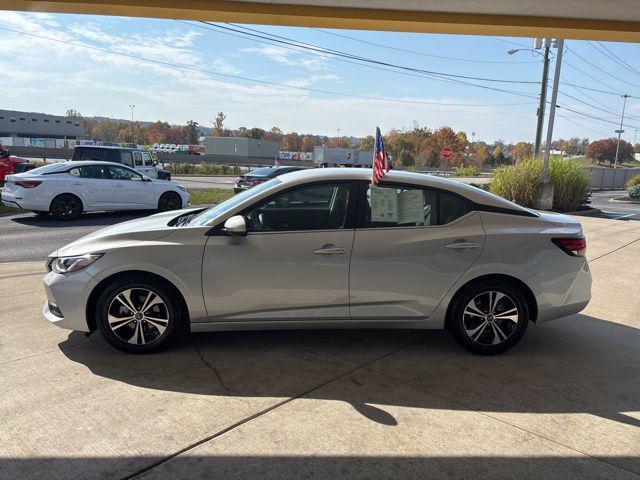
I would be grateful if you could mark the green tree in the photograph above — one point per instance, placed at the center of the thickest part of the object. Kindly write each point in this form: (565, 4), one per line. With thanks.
(218, 125)
(406, 159)
(191, 132)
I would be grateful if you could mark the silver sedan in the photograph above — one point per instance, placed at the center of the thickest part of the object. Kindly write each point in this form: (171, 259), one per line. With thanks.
(323, 249)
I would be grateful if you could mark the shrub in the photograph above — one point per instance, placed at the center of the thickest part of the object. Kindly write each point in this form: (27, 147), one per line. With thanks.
(633, 181)
(470, 171)
(519, 182)
(201, 169)
(634, 192)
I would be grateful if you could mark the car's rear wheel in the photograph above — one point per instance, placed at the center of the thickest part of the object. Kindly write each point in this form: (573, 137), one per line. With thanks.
(169, 201)
(136, 315)
(66, 207)
(489, 318)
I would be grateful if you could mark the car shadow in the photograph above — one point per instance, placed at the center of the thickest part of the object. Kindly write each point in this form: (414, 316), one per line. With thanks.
(87, 220)
(580, 364)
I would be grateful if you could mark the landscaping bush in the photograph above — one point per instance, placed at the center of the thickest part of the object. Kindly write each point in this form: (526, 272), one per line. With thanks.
(470, 171)
(634, 192)
(519, 182)
(633, 181)
(201, 169)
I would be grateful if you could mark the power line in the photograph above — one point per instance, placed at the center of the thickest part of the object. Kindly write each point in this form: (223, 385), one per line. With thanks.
(247, 79)
(377, 67)
(600, 119)
(582, 126)
(509, 41)
(617, 114)
(601, 48)
(600, 69)
(327, 51)
(414, 52)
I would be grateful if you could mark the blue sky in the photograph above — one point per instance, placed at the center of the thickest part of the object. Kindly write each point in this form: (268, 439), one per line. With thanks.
(39, 74)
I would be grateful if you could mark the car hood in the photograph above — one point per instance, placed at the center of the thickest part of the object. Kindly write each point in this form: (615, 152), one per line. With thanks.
(148, 228)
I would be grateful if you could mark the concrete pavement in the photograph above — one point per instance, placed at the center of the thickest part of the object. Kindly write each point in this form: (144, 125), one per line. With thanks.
(326, 404)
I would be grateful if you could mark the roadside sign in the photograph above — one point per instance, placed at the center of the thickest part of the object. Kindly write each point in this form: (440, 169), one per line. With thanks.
(447, 152)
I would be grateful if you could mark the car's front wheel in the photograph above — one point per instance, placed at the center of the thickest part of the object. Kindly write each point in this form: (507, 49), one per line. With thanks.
(489, 318)
(169, 201)
(137, 315)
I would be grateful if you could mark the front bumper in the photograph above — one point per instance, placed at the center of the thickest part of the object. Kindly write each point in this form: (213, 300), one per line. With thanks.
(70, 293)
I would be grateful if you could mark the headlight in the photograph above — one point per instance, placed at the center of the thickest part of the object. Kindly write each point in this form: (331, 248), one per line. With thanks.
(71, 264)
(182, 187)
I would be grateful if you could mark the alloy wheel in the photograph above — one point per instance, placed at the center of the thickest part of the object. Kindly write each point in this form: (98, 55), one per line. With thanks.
(490, 318)
(138, 316)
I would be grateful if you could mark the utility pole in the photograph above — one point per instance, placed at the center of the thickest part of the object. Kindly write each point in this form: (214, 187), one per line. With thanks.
(620, 130)
(133, 135)
(543, 97)
(552, 111)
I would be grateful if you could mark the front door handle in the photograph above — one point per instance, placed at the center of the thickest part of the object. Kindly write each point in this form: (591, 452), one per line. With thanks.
(330, 250)
(119, 185)
(462, 245)
(76, 183)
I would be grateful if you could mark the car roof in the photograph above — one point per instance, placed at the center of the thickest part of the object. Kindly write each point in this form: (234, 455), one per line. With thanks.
(109, 147)
(474, 194)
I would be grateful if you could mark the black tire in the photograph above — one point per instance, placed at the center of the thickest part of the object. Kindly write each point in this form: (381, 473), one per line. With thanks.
(169, 201)
(477, 332)
(66, 207)
(139, 334)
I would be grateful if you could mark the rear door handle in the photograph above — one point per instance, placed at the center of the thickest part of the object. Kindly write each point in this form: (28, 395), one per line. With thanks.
(462, 245)
(329, 250)
(76, 183)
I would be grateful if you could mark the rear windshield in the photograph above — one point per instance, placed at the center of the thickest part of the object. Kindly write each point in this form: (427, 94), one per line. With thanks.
(261, 172)
(52, 167)
(99, 154)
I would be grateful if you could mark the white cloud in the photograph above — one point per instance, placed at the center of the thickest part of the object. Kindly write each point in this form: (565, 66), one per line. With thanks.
(291, 58)
(220, 65)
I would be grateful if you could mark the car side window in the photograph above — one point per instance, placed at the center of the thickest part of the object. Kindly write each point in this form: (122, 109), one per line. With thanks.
(127, 159)
(312, 207)
(146, 158)
(91, 171)
(137, 159)
(450, 208)
(119, 173)
(401, 206)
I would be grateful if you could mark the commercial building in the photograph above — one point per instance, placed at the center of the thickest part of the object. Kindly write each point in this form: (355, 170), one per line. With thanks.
(337, 157)
(39, 125)
(241, 148)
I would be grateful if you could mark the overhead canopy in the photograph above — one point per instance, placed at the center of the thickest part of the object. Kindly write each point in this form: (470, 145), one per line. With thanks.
(615, 20)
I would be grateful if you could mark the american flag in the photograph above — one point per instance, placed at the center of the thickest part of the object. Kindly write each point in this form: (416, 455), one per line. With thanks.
(380, 160)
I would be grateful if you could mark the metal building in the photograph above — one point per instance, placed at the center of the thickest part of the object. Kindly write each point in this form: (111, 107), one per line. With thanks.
(39, 125)
(241, 147)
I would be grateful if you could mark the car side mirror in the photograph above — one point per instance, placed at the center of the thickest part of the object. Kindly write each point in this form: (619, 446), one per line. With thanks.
(236, 226)
(145, 178)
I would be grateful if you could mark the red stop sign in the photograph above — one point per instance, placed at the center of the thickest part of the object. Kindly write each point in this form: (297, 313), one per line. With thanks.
(447, 152)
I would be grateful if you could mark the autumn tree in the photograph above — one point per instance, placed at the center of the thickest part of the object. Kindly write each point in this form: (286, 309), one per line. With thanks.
(274, 134)
(522, 150)
(339, 142)
(307, 142)
(605, 151)
(498, 155)
(105, 130)
(367, 143)
(218, 125)
(157, 132)
(445, 137)
(637, 148)
(176, 135)
(291, 142)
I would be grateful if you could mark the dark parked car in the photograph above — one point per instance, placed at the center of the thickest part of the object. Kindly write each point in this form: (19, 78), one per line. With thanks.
(135, 158)
(260, 175)
(24, 167)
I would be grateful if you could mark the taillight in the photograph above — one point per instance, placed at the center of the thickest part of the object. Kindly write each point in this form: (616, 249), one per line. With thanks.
(238, 180)
(28, 183)
(576, 247)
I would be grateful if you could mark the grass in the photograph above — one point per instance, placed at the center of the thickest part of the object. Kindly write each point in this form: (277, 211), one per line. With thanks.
(4, 209)
(588, 163)
(205, 196)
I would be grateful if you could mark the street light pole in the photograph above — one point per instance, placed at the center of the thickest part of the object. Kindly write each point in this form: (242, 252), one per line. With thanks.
(552, 112)
(132, 130)
(620, 130)
(543, 97)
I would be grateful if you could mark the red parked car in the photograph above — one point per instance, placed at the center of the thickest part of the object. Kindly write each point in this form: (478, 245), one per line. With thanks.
(8, 163)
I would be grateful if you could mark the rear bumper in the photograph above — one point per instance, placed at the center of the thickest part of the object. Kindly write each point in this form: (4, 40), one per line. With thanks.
(560, 294)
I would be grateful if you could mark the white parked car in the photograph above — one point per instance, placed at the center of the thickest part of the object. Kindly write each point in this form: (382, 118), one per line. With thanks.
(322, 249)
(67, 189)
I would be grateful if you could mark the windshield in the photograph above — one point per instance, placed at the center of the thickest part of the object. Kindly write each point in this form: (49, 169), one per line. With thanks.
(234, 201)
(52, 167)
(261, 172)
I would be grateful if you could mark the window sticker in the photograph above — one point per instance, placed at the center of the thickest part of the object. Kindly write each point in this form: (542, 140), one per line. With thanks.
(411, 207)
(384, 205)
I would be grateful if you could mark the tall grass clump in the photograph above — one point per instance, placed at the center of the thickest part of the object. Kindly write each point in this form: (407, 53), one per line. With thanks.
(633, 181)
(468, 171)
(519, 182)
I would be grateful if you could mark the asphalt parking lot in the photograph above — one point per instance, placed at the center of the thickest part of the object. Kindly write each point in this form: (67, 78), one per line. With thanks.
(565, 403)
